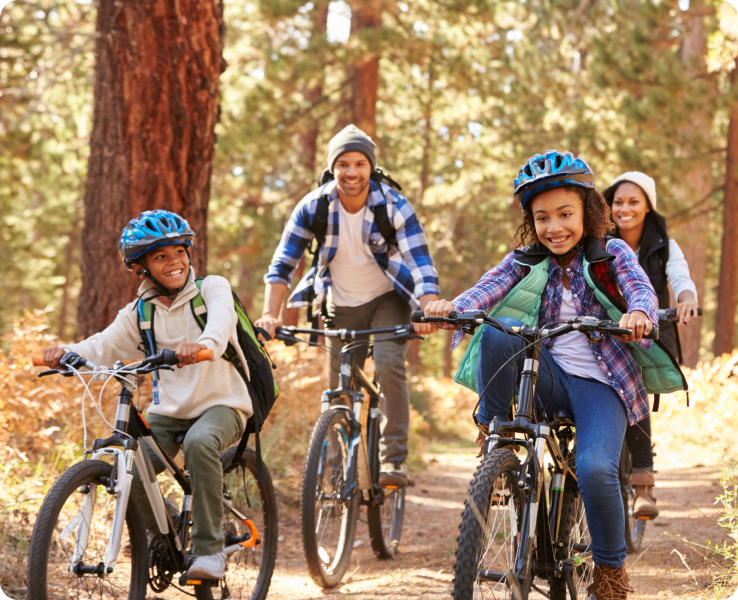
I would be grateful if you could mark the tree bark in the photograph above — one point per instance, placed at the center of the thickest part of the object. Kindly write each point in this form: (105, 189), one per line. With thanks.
(697, 182)
(367, 15)
(728, 287)
(156, 103)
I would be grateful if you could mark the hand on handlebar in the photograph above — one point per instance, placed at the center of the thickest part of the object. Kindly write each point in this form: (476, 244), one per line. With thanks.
(684, 310)
(187, 353)
(268, 323)
(638, 322)
(440, 308)
(51, 356)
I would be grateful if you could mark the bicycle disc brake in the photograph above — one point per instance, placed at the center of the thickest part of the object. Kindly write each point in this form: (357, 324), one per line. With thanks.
(161, 569)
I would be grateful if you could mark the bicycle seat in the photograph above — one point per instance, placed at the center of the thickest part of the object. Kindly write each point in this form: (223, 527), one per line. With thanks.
(562, 419)
(179, 437)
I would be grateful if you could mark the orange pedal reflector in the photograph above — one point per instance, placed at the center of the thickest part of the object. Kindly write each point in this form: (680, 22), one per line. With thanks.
(643, 518)
(194, 582)
(254, 541)
(391, 487)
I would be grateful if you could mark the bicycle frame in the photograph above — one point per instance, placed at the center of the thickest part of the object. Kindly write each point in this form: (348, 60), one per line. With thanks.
(363, 466)
(130, 422)
(531, 478)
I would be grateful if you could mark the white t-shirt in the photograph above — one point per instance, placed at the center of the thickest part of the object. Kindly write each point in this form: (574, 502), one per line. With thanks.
(572, 351)
(355, 275)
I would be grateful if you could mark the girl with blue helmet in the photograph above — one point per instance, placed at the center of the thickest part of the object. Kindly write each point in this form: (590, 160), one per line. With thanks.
(566, 221)
(209, 400)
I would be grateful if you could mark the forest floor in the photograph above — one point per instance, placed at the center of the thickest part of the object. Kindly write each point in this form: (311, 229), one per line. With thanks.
(666, 567)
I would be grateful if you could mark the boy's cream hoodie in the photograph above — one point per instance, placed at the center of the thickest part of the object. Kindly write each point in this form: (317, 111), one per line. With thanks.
(188, 392)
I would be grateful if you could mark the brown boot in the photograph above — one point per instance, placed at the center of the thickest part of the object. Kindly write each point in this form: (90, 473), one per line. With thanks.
(645, 502)
(484, 433)
(609, 584)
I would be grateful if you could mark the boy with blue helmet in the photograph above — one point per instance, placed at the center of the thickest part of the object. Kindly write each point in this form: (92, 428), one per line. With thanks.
(562, 247)
(208, 400)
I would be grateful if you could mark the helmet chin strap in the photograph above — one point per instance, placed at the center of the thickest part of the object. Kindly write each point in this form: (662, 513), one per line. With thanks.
(564, 257)
(159, 288)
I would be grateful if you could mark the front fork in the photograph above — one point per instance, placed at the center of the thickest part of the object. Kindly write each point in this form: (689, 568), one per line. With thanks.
(119, 485)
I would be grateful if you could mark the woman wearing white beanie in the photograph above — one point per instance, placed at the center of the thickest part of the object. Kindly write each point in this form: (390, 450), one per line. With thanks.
(632, 199)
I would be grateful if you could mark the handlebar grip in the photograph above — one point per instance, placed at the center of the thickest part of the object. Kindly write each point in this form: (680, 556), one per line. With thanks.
(417, 316)
(38, 361)
(699, 312)
(203, 355)
(653, 335)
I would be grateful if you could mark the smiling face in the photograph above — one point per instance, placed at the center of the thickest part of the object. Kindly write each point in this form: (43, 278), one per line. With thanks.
(558, 215)
(629, 207)
(168, 265)
(352, 171)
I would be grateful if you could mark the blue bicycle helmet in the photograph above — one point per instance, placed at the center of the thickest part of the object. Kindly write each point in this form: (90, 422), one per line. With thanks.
(553, 169)
(150, 230)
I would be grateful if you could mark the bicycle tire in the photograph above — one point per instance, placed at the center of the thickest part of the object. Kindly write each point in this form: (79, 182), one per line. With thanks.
(634, 528)
(50, 543)
(329, 433)
(242, 582)
(573, 529)
(385, 523)
(498, 464)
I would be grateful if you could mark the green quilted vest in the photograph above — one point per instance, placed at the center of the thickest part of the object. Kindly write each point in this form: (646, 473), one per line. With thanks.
(661, 373)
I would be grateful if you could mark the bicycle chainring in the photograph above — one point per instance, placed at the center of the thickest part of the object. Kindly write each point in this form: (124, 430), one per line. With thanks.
(161, 564)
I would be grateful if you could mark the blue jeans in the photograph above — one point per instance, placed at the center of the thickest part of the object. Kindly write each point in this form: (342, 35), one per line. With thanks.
(600, 419)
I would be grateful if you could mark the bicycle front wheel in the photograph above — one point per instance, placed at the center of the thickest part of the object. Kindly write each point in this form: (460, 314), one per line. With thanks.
(489, 532)
(70, 540)
(385, 522)
(328, 521)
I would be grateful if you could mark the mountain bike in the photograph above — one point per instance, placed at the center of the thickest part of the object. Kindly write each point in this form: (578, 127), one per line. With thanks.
(514, 530)
(635, 527)
(89, 539)
(341, 469)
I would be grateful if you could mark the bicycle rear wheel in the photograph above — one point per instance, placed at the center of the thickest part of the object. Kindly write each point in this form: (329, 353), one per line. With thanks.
(385, 522)
(62, 564)
(328, 522)
(577, 545)
(248, 570)
(489, 532)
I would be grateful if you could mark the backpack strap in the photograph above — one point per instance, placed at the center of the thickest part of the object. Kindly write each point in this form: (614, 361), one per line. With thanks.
(146, 313)
(384, 224)
(200, 312)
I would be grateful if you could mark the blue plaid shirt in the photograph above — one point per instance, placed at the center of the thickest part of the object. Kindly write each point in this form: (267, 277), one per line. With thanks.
(612, 356)
(408, 265)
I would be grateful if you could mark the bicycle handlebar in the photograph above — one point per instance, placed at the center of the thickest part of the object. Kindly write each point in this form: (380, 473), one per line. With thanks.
(473, 318)
(287, 333)
(669, 314)
(165, 357)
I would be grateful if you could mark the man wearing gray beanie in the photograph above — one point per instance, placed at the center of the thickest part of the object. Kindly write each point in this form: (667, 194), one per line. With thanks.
(361, 280)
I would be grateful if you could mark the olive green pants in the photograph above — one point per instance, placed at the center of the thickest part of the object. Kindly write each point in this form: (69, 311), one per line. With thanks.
(207, 436)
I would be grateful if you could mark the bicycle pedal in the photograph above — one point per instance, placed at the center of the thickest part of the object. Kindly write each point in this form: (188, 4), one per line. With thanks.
(185, 580)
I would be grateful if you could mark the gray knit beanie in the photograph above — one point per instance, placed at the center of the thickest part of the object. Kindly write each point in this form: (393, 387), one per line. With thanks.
(351, 139)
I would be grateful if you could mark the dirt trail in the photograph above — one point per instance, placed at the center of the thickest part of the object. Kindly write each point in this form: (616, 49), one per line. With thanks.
(424, 566)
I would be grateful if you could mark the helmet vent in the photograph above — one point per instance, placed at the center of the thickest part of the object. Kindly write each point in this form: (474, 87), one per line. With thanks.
(149, 224)
(542, 164)
(558, 161)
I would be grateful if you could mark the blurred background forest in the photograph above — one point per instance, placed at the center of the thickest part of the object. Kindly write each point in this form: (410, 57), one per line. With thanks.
(223, 112)
(457, 94)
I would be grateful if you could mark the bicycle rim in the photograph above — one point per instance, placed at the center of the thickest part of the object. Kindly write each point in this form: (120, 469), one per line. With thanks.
(73, 531)
(385, 522)
(248, 570)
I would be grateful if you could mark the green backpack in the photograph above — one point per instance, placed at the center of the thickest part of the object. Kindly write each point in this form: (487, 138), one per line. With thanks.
(263, 390)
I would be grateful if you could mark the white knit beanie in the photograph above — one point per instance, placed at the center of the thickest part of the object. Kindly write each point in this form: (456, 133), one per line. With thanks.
(646, 183)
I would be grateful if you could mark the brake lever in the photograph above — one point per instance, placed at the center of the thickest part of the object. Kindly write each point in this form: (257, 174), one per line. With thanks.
(65, 373)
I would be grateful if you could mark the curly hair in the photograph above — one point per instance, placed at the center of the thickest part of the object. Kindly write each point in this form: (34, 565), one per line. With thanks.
(597, 219)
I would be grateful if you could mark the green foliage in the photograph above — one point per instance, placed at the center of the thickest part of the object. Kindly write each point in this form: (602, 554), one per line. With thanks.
(468, 91)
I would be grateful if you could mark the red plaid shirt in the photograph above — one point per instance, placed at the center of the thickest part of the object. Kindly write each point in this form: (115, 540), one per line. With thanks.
(612, 356)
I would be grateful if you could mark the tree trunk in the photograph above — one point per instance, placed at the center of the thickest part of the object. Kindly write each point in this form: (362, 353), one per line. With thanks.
(697, 182)
(728, 290)
(156, 105)
(367, 15)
